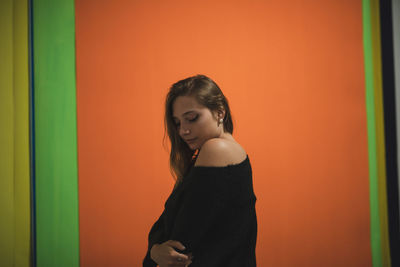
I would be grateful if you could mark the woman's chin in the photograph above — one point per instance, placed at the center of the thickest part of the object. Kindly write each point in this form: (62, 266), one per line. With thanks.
(192, 147)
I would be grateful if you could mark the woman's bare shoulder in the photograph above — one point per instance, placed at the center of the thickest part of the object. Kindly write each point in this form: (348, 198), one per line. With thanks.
(219, 152)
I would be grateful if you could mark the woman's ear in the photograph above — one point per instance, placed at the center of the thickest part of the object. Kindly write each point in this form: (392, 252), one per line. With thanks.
(221, 113)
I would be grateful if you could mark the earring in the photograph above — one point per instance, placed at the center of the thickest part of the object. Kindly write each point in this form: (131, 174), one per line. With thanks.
(221, 120)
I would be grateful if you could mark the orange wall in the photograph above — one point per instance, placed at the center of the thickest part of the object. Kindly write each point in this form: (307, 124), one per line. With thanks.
(293, 73)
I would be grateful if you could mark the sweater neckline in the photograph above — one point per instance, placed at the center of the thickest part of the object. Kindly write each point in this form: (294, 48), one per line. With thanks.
(223, 167)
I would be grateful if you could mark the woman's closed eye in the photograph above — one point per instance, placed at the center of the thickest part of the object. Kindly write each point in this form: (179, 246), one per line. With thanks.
(189, 120)
(194, 119)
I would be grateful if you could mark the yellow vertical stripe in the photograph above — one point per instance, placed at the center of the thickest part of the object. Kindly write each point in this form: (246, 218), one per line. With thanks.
(21, 134)
(14, 135)
(380, 136)
(6, 135)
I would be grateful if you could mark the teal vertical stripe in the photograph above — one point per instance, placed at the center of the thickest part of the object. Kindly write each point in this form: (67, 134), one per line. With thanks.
(56, 174)
(370, 104)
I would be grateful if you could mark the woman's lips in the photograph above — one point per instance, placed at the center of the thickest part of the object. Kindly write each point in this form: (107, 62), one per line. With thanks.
(190, 140)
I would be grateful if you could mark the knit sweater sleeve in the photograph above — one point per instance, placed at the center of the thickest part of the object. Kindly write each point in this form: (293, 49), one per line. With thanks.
(155, 236)
(205, 196)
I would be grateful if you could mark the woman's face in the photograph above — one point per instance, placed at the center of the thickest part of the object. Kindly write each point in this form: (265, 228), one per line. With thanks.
(195, 123)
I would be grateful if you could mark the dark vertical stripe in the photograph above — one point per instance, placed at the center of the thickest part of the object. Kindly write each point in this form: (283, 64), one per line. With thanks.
(390, 128)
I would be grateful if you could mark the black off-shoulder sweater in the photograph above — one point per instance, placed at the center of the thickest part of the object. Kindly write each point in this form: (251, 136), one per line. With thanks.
(212, 213)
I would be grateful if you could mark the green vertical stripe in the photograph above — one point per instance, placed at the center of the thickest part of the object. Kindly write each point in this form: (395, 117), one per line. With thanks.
(55, 133)
(370, 104)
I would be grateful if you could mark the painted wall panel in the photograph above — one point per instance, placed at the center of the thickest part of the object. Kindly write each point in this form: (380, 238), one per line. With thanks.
(293, 73)
(7, 209)
(21, 135)
(14, 135)
(57, 236)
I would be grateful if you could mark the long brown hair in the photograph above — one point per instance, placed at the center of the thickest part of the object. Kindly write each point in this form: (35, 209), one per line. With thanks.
(208, 94)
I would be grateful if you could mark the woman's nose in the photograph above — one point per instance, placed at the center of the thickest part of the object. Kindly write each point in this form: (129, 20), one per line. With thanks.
(184, 131)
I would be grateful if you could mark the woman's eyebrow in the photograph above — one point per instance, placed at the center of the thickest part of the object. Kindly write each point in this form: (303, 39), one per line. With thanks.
(187, 112)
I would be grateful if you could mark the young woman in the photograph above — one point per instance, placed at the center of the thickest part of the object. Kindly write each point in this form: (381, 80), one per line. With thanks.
(209, 219)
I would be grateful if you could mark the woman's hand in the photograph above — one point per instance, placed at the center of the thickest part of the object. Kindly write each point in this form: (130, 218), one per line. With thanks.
(166, 256)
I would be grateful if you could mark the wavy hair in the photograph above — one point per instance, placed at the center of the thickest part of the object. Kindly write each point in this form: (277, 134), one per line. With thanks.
(208, 94)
